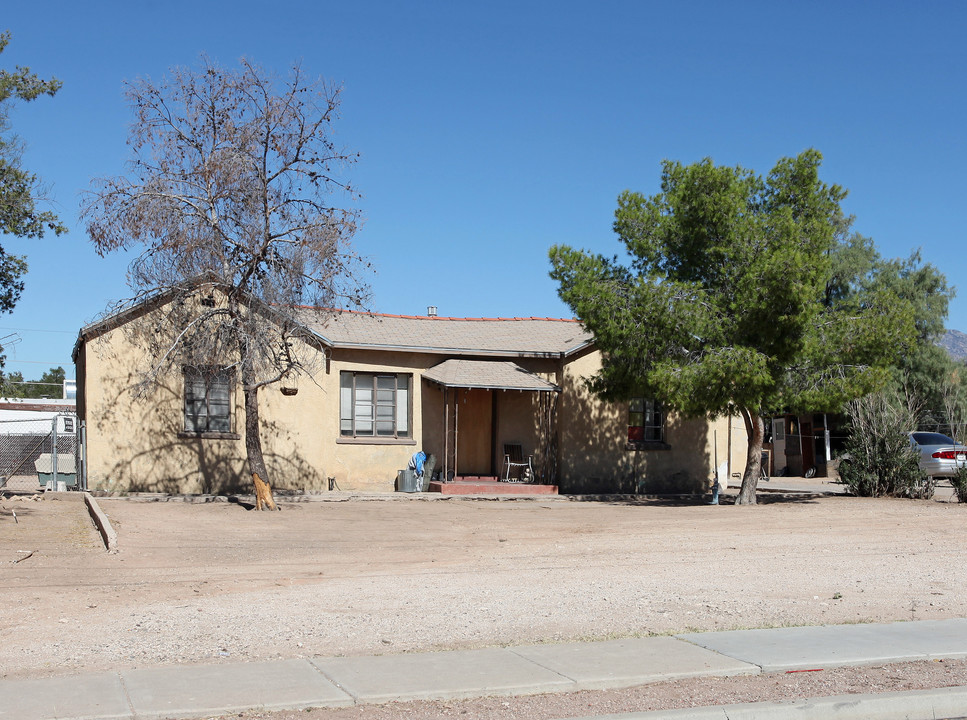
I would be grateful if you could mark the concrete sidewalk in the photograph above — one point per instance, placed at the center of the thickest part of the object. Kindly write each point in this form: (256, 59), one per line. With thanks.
(206, 690)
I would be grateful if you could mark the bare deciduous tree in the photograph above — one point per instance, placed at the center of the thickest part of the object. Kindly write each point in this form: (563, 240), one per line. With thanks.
(229, 193)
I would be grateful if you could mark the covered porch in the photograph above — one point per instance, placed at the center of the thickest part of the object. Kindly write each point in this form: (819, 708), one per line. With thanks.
(488, 413)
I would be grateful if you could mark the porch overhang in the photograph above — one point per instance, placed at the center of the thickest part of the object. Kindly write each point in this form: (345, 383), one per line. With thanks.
(487, 375)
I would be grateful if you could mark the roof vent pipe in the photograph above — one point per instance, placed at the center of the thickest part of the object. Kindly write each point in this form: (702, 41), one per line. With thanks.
(431, 311)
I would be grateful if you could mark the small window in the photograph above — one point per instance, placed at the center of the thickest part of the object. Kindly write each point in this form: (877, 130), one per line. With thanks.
(374, 405)
(646, 421)
(208, 400)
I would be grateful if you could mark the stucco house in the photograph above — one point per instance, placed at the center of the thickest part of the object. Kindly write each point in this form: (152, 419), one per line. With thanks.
(388, 386)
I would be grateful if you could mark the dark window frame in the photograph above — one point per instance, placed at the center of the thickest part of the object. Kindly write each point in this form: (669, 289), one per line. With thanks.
(646, 424)
(210, 413)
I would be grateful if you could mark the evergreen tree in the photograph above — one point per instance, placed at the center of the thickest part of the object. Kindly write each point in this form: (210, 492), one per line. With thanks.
(729, 303)
(20, 191)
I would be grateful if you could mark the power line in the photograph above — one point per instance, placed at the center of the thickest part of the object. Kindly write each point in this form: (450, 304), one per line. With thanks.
(53, 363)
(31, 382)
(65, 332)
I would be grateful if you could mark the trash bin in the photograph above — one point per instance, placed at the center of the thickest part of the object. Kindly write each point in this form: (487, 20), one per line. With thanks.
(408, 481)
(66, 471)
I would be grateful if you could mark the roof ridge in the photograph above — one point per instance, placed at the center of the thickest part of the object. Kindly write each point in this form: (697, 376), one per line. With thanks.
(436, 317)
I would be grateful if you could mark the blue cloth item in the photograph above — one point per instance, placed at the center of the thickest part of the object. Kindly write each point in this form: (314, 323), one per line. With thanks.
(417, 461)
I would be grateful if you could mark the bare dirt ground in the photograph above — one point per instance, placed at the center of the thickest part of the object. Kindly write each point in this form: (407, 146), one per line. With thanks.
(215, 582)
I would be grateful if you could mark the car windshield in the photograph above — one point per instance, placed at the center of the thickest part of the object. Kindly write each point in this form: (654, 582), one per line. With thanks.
(930, 438)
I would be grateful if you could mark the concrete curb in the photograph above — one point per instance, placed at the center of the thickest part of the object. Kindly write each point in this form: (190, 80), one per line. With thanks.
(910, 705)
(185, 691)
(829, 646)
(108, 535)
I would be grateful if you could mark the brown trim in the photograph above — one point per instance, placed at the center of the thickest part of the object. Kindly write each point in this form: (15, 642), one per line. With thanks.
(469, 352)
(37, 407)
(365, 440)
(468, 386)
(151, 302)
(185, 435)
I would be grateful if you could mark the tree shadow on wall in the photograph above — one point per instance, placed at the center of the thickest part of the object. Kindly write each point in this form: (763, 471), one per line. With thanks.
(155, 455)
(595, 454)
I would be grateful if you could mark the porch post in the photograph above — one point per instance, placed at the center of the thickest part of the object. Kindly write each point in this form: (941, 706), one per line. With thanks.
(446, 432)
(456, 430)
(493, 433)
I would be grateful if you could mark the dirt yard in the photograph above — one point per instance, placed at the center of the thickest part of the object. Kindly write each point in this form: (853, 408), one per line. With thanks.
(216, 582)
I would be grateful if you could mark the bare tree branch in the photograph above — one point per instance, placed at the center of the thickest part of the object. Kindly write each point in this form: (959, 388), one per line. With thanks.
(230, 194)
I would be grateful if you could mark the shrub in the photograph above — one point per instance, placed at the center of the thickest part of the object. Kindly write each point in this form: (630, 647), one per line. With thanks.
(879, 459)
(960, 484)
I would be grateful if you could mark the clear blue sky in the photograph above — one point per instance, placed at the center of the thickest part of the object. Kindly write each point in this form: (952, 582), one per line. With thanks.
(490, 131)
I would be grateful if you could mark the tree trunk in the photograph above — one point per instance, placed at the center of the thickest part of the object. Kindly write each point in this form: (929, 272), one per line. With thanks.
(253, 441)
(263, 494)
(755, 429)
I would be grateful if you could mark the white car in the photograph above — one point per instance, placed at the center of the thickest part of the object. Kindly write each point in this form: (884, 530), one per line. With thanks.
(940, 455)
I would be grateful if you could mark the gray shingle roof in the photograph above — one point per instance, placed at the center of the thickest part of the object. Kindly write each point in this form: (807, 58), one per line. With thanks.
(508, 337)
(488, 374)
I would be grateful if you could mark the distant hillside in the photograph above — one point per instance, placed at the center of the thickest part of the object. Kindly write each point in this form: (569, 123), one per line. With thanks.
(955, 343)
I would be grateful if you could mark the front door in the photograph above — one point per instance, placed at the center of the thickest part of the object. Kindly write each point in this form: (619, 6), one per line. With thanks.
(778, 444)
(475, 442)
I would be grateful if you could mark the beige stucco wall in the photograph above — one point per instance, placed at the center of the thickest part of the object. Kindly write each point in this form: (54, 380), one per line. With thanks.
(136, 443)
(594, 450)
(132, 441)
(369, 464)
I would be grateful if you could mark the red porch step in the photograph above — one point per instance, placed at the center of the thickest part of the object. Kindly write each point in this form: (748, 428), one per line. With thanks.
(489, 486)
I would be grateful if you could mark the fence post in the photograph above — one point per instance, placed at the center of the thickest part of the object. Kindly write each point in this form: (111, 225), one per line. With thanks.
(53, 456)
(82, 452)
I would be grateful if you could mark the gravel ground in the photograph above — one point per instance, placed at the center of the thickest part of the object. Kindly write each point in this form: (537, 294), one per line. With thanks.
(215, 582)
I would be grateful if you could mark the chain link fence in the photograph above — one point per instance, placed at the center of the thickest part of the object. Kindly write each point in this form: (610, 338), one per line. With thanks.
(42, 453)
